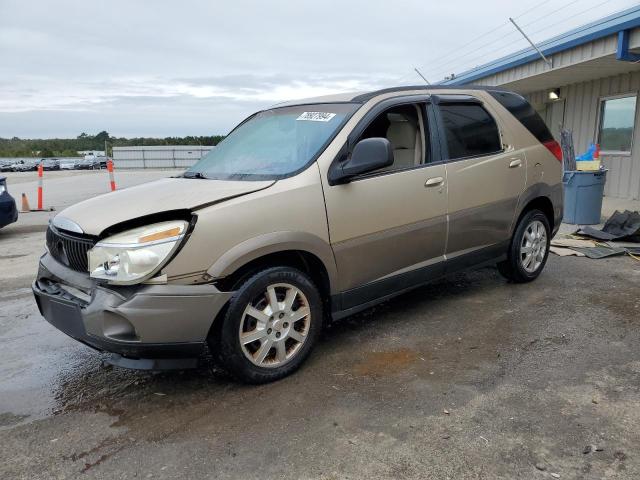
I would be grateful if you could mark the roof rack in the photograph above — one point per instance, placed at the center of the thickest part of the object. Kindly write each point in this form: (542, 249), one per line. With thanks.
(369, 95)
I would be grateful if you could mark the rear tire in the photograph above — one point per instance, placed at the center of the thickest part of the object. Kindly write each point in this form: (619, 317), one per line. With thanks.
(529, 248)
(270, 327)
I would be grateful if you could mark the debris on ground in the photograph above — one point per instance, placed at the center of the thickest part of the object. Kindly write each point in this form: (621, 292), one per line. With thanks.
(620, 235)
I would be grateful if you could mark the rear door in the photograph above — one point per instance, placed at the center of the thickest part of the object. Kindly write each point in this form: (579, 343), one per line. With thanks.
(485, 178)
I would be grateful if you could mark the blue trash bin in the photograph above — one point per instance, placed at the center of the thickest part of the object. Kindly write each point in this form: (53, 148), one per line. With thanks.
(583, 196)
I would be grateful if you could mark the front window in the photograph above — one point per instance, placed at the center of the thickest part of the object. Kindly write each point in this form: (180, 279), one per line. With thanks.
(617, 121)
(274, 143)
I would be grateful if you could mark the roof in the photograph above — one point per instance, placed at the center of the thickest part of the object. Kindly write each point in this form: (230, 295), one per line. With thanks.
(604, 27)
(362, 97)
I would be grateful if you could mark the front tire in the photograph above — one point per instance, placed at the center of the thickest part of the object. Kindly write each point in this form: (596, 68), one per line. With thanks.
(271, 325)
(529, 248)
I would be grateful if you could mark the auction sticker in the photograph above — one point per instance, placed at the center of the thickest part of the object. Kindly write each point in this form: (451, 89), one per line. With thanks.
(316, 116)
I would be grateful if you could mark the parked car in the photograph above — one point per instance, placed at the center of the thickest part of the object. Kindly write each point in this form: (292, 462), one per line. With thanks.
(50, 164)
(306, 212)
(67, 163)
(25, 166)
(8, 210)
(89, 163)
(6, 166)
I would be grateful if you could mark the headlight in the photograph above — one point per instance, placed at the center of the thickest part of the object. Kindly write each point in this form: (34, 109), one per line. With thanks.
(2, 188)
(135, 255)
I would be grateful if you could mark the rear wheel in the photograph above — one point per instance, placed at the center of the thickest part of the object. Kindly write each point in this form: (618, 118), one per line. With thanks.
(272, 323)
(529, 248)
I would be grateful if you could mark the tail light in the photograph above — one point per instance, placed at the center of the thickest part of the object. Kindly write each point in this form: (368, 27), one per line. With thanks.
(554, 148)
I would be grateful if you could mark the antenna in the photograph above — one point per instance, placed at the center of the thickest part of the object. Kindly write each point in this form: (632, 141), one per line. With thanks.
(546, 60)
(422, 76)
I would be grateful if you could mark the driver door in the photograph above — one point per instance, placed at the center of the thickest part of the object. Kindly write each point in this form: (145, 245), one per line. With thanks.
(388, 227)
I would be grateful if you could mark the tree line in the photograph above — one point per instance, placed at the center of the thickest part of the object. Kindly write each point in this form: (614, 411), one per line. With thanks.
(69, 147)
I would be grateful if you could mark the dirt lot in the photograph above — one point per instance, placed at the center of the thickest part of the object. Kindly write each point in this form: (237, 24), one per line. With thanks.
(469, 377)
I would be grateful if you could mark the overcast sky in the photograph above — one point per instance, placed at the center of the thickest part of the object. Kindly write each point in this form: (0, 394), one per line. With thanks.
(162, 68)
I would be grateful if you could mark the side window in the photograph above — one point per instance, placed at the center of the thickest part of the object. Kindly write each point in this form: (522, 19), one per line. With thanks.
(404, 127)
(469, 129)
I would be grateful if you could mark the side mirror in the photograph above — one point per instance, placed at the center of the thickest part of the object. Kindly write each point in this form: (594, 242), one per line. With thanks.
(368, 155)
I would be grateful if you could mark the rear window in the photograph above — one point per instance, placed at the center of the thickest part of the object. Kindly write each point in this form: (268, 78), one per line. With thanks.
(470, 130)
(524, 112)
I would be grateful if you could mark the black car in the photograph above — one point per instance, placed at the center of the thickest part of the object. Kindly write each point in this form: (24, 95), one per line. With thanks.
(8, 210)
(89, 163)
(50, 164)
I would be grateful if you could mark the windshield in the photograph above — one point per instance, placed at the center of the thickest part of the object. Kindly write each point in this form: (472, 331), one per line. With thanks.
(274, 143)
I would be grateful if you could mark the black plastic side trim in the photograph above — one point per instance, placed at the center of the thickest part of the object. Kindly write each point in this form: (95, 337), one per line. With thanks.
(360, 298)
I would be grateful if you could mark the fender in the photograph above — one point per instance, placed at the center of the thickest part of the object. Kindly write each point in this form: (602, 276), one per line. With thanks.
(554, 193)
(275, 242)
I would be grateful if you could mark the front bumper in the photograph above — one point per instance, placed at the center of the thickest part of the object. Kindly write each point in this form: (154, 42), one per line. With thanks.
(138, 322)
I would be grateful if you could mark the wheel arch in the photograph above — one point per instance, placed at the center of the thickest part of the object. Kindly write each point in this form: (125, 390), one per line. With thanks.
(545, 198)
(301, 250)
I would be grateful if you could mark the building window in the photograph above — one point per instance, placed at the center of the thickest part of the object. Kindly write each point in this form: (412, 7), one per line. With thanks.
(617, 121)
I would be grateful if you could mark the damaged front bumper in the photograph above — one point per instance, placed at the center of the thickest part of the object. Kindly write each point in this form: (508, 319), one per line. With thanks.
(151, 322)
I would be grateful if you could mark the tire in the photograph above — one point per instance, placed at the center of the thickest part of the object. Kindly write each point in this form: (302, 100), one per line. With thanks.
(532, 233)
(272, 347)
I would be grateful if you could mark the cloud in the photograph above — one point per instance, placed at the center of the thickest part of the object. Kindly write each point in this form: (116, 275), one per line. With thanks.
(197, 66)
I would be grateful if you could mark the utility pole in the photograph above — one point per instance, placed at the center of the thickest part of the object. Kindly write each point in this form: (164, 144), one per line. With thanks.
(422, 76)
(546, 60)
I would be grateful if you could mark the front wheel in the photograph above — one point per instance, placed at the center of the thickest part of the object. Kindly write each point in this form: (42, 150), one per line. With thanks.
(529, 248)
(271, 325)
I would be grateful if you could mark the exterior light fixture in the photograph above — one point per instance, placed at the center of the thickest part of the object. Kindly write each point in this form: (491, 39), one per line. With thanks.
(554, 94)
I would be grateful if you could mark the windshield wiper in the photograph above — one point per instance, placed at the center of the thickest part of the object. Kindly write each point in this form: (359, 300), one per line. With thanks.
(195, 175)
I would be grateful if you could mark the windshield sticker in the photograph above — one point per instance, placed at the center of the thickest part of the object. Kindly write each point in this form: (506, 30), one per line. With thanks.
(316, 116)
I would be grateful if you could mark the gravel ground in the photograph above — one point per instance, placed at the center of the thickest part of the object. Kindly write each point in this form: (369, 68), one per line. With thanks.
(467, 378)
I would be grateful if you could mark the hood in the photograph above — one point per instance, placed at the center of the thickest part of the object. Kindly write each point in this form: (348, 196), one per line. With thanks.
(99, 213)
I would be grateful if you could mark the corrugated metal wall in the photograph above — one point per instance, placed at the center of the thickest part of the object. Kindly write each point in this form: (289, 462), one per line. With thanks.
(179, 156)
(582, 101)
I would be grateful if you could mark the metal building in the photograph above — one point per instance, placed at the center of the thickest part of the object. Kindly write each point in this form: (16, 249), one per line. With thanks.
(162, 156)
(590, 85)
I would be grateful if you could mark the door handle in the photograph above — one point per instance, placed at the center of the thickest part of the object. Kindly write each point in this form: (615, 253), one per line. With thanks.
(434, 182)
(515, 163)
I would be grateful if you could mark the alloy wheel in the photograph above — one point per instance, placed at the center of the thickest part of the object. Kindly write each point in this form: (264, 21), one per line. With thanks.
(275, 325)
(533, 246)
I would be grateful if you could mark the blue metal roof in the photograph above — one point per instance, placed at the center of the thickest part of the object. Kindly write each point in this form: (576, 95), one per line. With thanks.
(592, 31)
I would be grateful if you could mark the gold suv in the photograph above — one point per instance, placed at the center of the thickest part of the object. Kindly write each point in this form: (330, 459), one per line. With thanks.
(308, 211)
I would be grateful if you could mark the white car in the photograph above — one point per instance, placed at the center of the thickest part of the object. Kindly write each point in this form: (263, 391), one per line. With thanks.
(67, 164)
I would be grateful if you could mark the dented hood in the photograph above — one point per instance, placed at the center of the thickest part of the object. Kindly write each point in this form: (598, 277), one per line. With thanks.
(99, 213)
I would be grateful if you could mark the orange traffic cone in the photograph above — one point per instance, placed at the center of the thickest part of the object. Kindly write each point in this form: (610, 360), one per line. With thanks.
(25, 203)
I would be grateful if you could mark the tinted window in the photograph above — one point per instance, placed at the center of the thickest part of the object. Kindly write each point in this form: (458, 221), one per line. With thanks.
(617, 119)
(470, 130)
(524, 112)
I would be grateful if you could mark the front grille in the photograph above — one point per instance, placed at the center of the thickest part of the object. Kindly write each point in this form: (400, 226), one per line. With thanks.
(69, 249)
